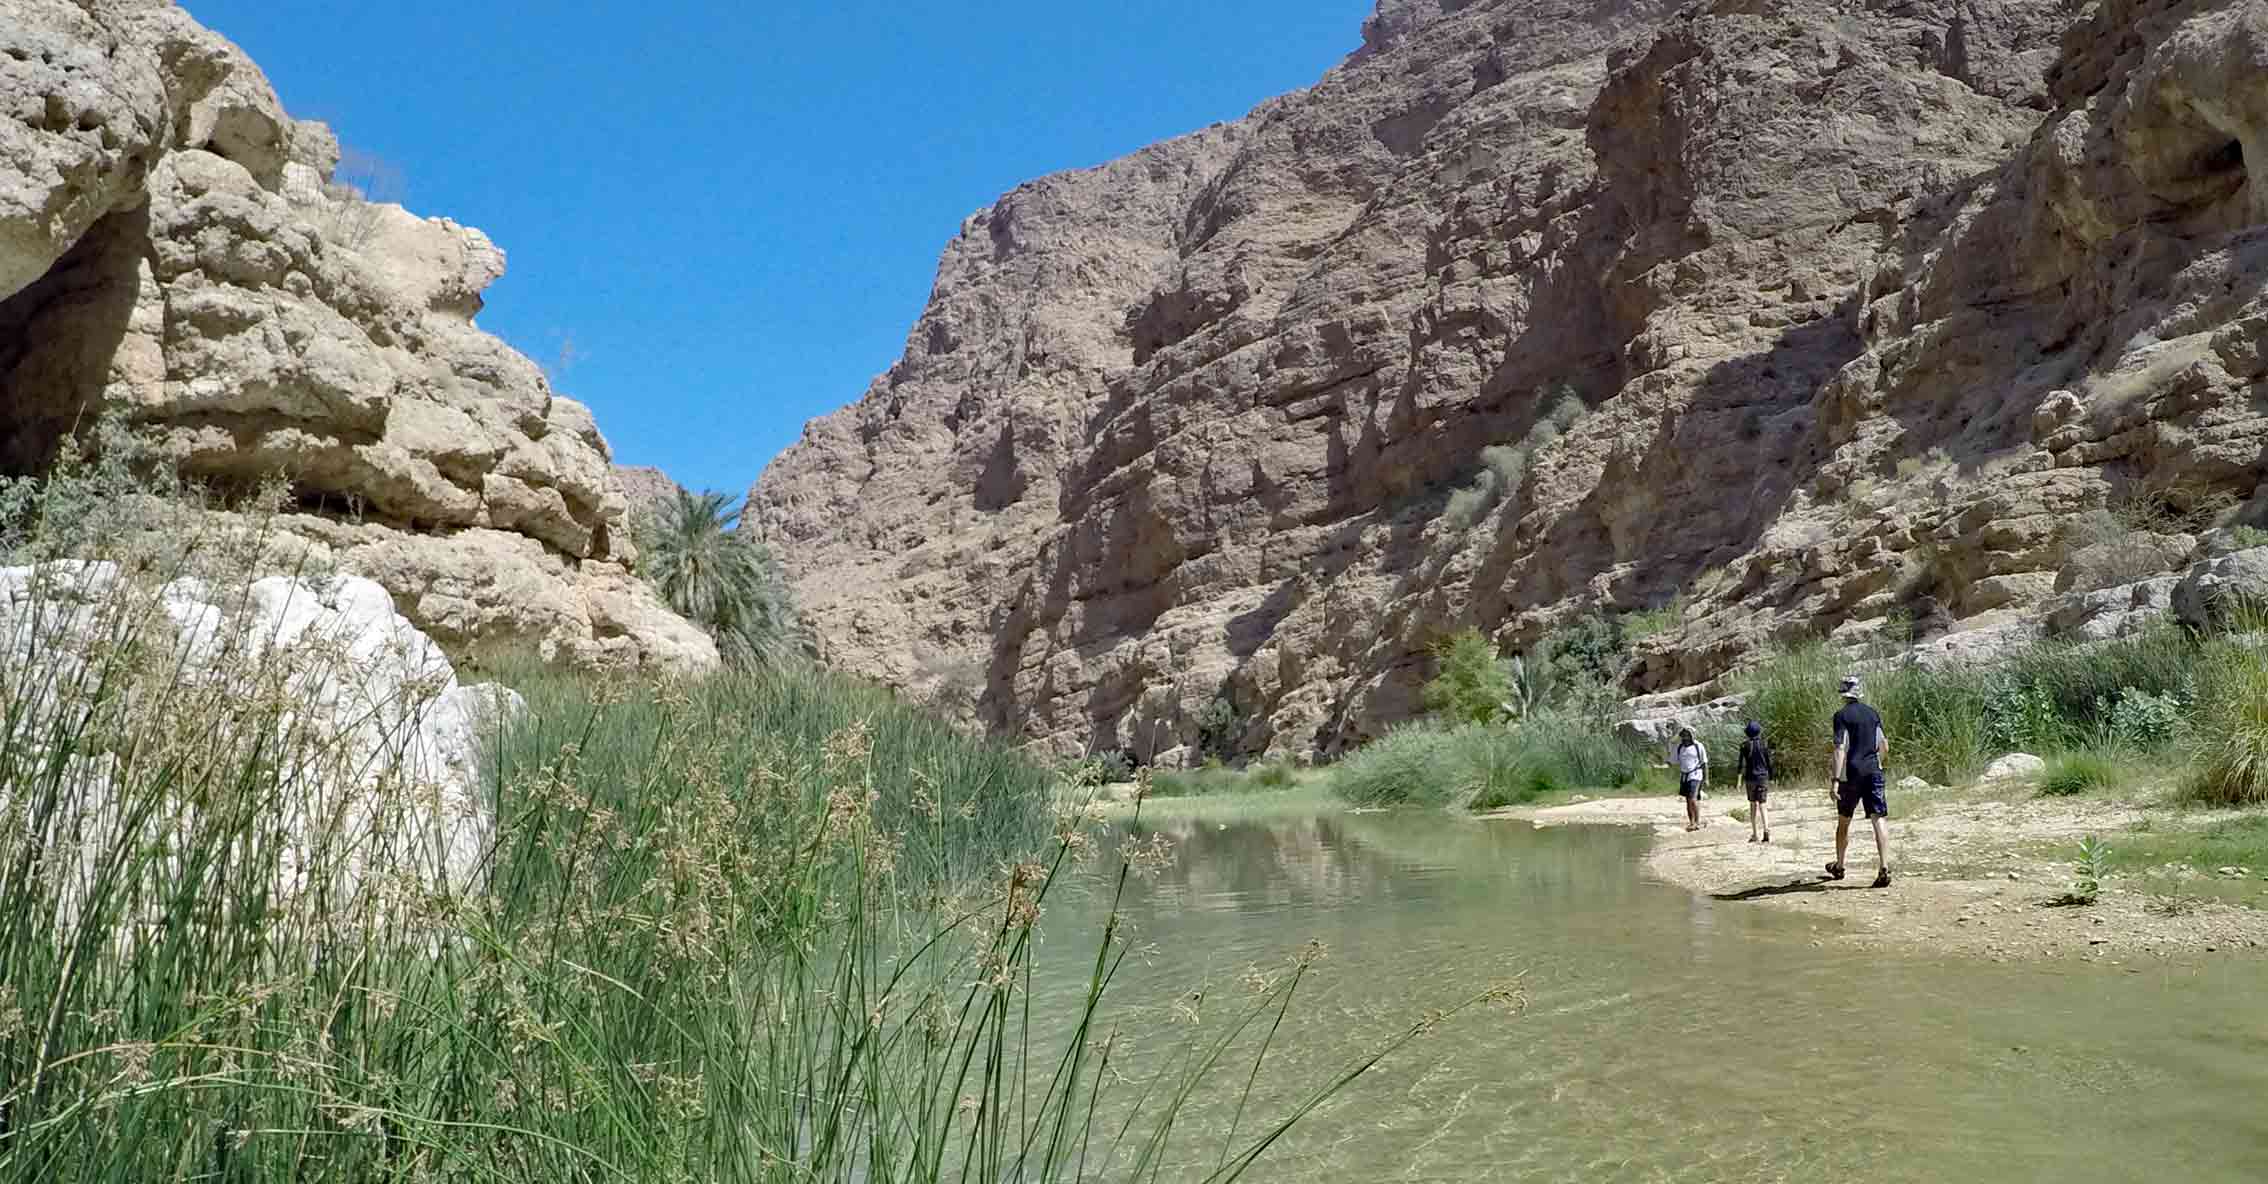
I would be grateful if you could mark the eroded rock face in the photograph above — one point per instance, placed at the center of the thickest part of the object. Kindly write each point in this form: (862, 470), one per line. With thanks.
(173, 249)
(1863, 302)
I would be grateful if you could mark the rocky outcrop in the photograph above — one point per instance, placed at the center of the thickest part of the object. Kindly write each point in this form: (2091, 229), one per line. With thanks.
(1862, 303)
(644, 488)
(175, 250)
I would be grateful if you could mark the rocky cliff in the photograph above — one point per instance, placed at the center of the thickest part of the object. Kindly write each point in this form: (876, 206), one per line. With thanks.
(174, 250)
(1860, 305)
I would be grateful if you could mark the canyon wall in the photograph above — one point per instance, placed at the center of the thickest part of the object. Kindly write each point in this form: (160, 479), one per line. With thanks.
(1846, 311)
(177, 252)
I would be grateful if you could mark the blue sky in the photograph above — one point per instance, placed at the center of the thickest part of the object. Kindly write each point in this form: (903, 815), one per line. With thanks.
(728, 212)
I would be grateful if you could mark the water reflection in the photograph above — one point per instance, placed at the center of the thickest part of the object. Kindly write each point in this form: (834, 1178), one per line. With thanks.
(1673, 1037)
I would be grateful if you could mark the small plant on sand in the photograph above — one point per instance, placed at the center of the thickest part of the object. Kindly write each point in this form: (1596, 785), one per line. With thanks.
(2089, 871)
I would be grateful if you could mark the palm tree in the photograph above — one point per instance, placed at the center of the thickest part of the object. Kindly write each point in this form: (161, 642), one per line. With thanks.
(720, 578)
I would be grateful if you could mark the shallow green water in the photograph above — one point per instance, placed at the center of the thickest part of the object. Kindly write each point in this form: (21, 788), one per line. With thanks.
(1670, 1036)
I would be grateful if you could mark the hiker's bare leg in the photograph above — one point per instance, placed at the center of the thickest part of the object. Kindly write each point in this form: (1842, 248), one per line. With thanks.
(1763, 820)
(1881, 844)
(1842, 837)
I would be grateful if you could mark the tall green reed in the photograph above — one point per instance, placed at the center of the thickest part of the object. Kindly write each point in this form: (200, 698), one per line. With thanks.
(756, 928)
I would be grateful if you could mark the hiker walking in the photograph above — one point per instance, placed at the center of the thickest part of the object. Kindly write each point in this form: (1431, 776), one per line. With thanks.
(1691, 759)
(1860, 746)
(1756, 771)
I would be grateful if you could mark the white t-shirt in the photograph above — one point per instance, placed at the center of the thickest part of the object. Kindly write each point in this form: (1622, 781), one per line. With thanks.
(1692, 759)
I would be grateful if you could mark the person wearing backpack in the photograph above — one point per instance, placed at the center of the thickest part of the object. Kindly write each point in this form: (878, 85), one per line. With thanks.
(1691, 759)
(1860, 747)
(1756, 771)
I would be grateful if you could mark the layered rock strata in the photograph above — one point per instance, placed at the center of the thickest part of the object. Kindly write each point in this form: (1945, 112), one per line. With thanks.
(177, 251)
(1861, 304)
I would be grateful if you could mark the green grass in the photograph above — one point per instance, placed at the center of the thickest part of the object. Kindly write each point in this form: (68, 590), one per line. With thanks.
(1793, 696)
(2083, 771)
(2049, 699)
(2230, 764)
(1484, 766)
(767, 926)
(1217, 780)
(2234, 842)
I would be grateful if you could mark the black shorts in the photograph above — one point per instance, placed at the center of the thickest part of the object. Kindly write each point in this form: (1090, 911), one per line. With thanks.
(1868, 789)
(1758, 791)
(1689, 787)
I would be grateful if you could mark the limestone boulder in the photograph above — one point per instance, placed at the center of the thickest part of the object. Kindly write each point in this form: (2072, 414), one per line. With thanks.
(491, 595)
(2111, 612)
(395, 792)
(2209, 592)
(2016, 766)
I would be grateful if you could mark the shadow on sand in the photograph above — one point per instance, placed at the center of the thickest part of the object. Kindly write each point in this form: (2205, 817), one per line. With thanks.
(1807, 884)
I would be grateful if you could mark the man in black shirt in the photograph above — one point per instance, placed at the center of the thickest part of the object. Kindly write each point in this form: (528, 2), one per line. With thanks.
(1860, 746)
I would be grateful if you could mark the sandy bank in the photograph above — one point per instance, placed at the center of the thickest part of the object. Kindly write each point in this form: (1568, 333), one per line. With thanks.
(1977, 874)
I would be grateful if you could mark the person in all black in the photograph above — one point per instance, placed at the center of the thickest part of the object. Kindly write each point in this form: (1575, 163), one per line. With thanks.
(1860, 746)
(1756, 771)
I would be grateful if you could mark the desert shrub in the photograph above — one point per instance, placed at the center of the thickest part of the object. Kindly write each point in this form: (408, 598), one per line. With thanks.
(1590, 651)
(358, 190)
(720, 578)
(1639, 626)
(2230, 765)
(2247, 537)
(1273, 774)
(2072, 680)
(1473, 683)
(1470, 502)
(1508, 463)
(2079, 771)
(1110, 766)
(2141, 720)
(2022, 716)
(1220, 724)
(1504, 467)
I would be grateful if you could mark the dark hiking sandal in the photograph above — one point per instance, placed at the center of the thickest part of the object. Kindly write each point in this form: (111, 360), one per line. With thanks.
(1882, 878)
(1834, 871)
(1767, 836)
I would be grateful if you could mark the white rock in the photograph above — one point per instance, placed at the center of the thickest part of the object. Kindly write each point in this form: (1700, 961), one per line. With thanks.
(2014, 766)
(383, 786)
